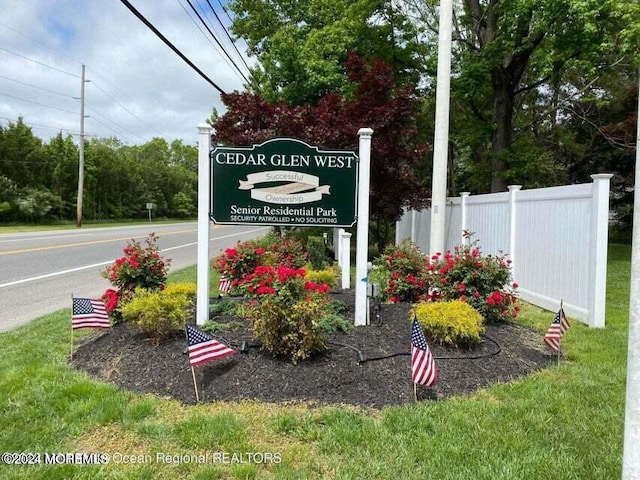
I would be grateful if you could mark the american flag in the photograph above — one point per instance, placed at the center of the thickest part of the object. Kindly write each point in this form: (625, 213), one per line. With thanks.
(224, 285)
(423, 367)
(203, 347)
(556, 331)
(89, 313)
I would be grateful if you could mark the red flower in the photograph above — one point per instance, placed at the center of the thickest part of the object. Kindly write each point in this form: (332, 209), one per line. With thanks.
(462, 287)
(230, 252)
(110, 297)
(264, 290)
(259, 251)
(515, 285)
(394, 299)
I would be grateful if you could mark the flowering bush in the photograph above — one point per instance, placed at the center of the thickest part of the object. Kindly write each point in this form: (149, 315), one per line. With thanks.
(291, 253)
(483, 282)
(404, 271)
(237, 262)
(240, 261)
(287, 311)
(140, 267)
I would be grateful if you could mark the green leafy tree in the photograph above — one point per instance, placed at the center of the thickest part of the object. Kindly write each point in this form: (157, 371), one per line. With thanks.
(21, 155)
(302, 46)
(516, 64)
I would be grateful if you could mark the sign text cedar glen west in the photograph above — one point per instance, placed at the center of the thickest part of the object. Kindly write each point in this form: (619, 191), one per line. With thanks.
(283, 181)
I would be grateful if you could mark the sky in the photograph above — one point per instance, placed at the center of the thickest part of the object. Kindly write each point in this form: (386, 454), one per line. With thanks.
(137, 87)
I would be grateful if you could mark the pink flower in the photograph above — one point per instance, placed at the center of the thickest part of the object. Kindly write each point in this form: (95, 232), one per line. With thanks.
(462, 287)
(515, 285)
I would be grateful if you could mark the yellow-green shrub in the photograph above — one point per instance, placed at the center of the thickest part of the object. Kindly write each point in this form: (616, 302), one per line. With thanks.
(449, 323)
(158, 314)
(328, 275)
(187, 288)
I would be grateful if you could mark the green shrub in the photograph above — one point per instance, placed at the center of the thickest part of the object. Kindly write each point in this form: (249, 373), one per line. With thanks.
(288, 328)
(337, 307)
(328, 275)
(186, 288)
(449, 323)
(225, 306)
(332, 323)
(214, 327)
(286, 311)
(157, 314)
(317, 252)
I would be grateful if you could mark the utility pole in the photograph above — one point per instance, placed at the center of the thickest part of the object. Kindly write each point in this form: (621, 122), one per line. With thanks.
(81, 151)
(441, 137)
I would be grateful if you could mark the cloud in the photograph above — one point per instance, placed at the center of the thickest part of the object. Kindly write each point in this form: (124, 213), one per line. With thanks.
(138, 88)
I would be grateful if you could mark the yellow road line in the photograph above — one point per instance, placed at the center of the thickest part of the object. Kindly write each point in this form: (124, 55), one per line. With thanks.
(93, 242)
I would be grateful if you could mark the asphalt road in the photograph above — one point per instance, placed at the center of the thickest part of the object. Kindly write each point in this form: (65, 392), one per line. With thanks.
(39, 271)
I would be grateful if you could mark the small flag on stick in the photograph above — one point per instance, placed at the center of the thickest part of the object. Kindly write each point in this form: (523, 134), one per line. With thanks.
(204, 348)
(556, 331)
(89, 313)
(224, 286)
(423, 367)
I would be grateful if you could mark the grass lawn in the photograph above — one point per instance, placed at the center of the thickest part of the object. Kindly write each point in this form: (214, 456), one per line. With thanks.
(562, 423)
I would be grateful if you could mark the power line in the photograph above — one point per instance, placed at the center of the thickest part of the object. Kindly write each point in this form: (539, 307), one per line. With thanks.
(50, 127)
(125, 108)
(112, 129)
(225, 10)
(39, 88)
(95, 112)
(227, 32)
(215, 47)
(38, 42)
(40, 63)
(36, 103)
(151, 27)
(217, 41)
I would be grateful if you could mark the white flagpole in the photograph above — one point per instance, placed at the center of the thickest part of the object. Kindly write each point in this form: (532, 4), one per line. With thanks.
(631, 446)
(441, 136)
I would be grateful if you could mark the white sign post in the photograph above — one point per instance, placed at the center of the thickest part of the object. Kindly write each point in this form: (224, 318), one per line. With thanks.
(362, 238)
(204, 194)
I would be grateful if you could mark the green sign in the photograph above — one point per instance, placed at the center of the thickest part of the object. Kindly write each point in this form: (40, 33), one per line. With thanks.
(283, 181)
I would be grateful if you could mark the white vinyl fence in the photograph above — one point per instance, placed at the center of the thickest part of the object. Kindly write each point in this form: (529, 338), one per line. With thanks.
(555, 237)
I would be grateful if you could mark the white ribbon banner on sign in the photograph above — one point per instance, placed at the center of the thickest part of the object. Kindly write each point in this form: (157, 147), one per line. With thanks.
(287, 193)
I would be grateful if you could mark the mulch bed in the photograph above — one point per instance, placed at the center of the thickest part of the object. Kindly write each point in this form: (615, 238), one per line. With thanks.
(123, 356)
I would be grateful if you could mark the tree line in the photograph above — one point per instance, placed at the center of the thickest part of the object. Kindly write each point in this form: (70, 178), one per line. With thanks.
(39, 180)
